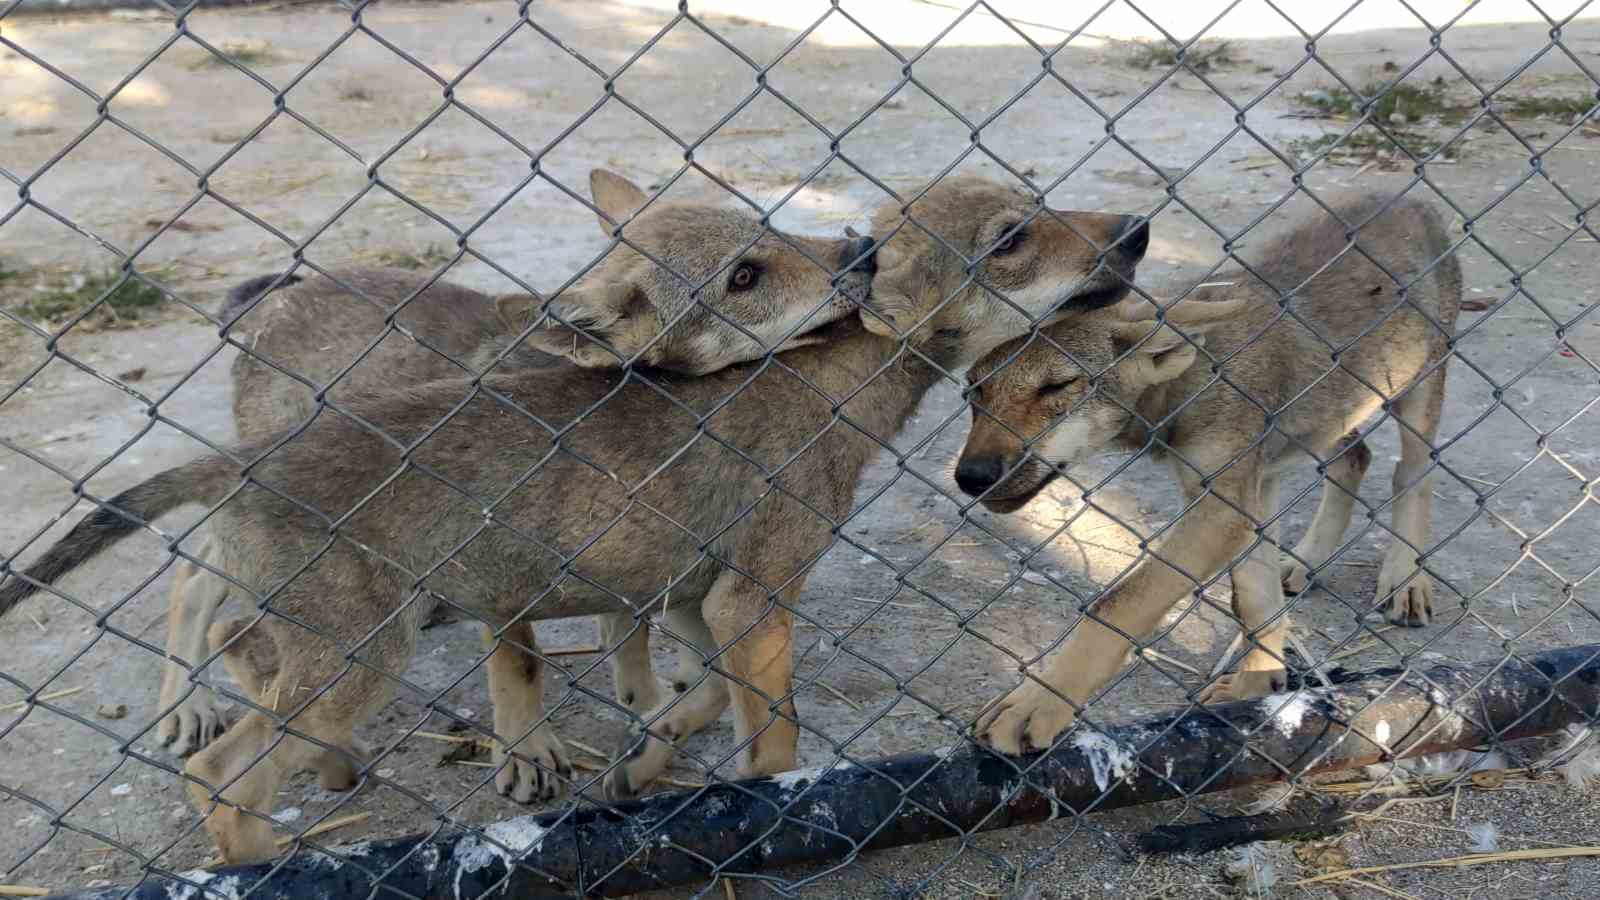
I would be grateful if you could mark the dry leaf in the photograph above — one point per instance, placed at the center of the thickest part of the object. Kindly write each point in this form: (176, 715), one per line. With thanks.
(1321, 856)
(1489, 779)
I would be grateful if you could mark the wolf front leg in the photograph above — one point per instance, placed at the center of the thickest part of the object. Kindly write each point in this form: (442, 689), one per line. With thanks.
(193, 719)
(756, 634)
(234, 781)
(626, 636)
(1258, 605)
(746, 639)
(531, 762)
(1206, 538)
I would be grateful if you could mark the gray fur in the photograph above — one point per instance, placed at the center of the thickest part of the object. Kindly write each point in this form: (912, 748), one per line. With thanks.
(114, 520)
(247, 292)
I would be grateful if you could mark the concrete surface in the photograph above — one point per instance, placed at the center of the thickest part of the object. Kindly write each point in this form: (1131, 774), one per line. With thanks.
(1508, 556)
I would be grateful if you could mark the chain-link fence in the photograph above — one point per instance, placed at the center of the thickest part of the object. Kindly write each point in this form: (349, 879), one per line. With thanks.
(838, 422)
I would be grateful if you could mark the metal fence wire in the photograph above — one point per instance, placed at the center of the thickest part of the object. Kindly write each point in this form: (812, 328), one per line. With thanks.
(725, 491)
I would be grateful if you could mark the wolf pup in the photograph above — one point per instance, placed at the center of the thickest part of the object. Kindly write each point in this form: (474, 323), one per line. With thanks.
(306, 333)
(1391, 319)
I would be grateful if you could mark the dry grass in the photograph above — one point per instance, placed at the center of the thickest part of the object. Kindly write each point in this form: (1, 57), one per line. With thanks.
(1452, 862)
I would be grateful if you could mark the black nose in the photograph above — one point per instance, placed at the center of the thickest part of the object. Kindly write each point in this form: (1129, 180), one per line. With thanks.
(860, 254)
(974, 476)
(1134, 239)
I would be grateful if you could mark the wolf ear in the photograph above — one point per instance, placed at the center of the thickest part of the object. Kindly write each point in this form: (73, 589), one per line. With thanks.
(582, 323)
(1160, 353)
(1163, 357)
(617, 198)
(891, 310)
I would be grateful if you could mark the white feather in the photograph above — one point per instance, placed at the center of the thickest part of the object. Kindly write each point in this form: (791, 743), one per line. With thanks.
(1253, 869)
(1447, 762)
(1272, 799)
(1485, 837)
(1577, 758)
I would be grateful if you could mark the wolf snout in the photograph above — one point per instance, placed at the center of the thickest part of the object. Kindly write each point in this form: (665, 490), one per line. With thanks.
(978, 474)
(859, 254)
(1134, 238)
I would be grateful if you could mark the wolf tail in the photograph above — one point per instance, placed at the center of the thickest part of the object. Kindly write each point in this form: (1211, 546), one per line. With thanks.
(205, 479)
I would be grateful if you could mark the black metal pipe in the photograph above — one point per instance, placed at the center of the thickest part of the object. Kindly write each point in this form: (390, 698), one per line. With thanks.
(676, 839)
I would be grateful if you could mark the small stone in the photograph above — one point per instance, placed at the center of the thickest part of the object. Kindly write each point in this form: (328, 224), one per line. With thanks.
(385, 773)
(111, 710)
(122, 790)
(1033, 577)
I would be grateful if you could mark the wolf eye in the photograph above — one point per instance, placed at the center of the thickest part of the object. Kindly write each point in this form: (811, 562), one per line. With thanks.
(1056, 387)
(1011, 241)
(744, 277)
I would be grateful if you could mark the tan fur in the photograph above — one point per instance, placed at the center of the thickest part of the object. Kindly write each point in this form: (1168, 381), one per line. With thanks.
(1047, 408)
(304, 337)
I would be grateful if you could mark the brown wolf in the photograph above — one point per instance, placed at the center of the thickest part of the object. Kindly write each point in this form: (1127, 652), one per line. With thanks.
(305, 334)
(1386, 322)
(971, 264)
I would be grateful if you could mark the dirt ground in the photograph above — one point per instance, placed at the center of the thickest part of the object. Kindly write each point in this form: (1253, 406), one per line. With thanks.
(1513, 510)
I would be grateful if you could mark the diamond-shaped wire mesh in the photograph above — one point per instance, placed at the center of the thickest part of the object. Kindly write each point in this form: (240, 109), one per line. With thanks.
(881, 499)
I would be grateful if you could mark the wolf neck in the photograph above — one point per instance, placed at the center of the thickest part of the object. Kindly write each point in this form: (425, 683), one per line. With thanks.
(876, 382)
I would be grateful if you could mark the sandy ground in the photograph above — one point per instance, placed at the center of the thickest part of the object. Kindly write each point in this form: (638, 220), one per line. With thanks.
(1510, 549)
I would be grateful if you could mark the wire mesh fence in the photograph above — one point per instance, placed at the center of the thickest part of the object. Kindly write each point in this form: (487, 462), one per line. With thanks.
(851, 440)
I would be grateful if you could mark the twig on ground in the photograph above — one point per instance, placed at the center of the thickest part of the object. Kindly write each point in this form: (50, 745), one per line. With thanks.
(840, 694)
(53, 695)
(1453, 862)
(572, 651)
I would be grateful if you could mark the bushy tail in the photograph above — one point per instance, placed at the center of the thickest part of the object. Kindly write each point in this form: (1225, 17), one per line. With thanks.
(245, 293)
(122, 515)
